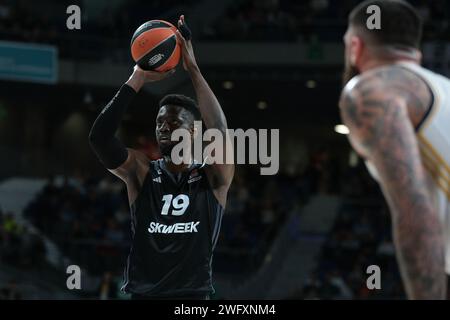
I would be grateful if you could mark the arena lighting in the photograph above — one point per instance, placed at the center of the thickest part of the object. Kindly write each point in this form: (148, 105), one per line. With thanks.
(262, 105)
(311, 84)
(228, 85)
(341, 129)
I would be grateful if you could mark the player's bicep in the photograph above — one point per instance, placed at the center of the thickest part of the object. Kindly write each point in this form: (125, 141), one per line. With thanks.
(365, 118)
(395, 154)
(221, 172)
(219, 178)
(381, 131)
(220, 175)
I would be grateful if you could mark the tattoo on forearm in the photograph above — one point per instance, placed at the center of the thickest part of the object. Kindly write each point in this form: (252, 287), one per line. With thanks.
(378, 111)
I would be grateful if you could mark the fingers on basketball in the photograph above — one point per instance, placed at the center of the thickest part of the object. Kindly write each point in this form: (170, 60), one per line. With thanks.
(180, 37)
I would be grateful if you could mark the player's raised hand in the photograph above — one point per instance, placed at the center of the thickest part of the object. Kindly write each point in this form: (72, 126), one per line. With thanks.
(139, 77)
(151, 76)
(184, 38)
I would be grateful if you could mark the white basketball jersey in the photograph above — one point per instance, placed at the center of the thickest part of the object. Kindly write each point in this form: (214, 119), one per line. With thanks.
(433, 137)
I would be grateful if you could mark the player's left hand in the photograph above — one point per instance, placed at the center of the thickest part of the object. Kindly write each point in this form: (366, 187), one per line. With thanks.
(184, 38)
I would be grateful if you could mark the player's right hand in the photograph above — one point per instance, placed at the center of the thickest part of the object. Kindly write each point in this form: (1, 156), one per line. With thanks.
(139, 77)
(150, 76)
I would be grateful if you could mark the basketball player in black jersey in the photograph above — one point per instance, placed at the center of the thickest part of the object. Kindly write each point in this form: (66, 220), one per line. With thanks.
(176, 209)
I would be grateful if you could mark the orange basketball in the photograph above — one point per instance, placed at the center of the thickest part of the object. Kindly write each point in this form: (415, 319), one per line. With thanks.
(154, 46)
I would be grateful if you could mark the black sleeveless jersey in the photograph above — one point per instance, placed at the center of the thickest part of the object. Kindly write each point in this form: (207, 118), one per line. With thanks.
(175, 226)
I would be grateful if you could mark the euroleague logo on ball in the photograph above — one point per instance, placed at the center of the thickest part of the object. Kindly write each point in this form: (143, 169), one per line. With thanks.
(155, 59)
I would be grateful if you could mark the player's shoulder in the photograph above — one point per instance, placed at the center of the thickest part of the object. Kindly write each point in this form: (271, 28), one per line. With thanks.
(391, 78)
(140, 160)
(371, 88)
(138, 155)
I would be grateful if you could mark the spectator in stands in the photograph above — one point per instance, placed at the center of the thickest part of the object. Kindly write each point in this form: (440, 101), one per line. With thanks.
(10, 291)
(108, 287)
(359, 238)
(289, 20)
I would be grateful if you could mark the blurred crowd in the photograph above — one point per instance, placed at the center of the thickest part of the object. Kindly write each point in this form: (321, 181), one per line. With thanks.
(18, 23)
(18, 246)
(256, 208)
(10, 291)
(86, 217)
(20, 249)
(313, 20)
(360, 237)
(45, 22)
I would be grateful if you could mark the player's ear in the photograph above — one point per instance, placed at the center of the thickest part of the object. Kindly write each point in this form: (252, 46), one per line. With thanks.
(419, 56)
(356, 48)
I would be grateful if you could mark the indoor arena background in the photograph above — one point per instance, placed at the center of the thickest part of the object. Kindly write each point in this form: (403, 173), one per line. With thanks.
(309, 232)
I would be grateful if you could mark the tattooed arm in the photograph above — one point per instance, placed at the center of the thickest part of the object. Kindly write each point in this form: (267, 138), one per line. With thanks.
(381, 131)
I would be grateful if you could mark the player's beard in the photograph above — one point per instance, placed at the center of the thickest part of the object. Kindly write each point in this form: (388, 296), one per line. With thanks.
(166, 152)
(166, 149)
(349, 72)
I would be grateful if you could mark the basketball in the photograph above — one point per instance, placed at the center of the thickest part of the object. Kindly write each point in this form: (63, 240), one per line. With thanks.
(154, 46)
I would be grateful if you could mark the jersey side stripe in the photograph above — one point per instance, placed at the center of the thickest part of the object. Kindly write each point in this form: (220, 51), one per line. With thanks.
(217, 226)
(437, 178)
(436, 164)
(436, 103)
(429, 147)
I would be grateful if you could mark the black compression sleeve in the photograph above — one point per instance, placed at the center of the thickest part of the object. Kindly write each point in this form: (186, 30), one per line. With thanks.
(110, 150)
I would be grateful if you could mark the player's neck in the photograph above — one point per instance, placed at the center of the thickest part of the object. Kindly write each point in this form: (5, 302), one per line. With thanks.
(389, 56)
(373, 64)
(380, 56)
(176, 168)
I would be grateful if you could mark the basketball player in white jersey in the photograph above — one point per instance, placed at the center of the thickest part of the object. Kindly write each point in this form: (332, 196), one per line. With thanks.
(398, 114)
